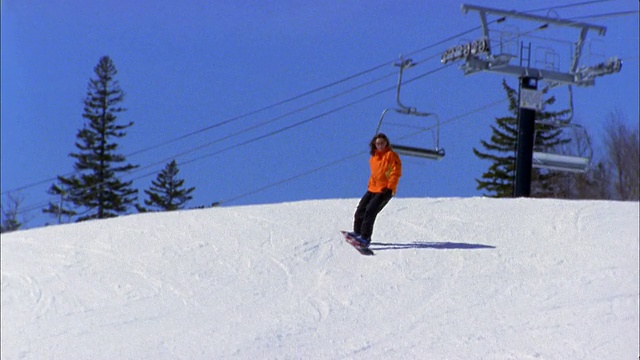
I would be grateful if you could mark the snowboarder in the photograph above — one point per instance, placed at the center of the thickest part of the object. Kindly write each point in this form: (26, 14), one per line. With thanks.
(386, 169)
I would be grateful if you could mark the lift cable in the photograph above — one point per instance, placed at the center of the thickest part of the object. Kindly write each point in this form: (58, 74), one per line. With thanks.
(255, 139)
(254, 112)
(305, 94)
(351, 156)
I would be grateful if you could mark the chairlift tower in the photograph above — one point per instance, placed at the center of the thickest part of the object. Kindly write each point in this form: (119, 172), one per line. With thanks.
(478, 56)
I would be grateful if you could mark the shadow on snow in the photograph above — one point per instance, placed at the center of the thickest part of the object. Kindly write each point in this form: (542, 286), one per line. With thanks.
(429, 245)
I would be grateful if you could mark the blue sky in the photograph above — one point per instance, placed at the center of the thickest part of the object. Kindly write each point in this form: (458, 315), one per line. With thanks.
(192, 70)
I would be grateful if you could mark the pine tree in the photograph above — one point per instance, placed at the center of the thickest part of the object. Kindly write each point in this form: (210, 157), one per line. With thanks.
(167, 193)
(499, 179)
(95, 186)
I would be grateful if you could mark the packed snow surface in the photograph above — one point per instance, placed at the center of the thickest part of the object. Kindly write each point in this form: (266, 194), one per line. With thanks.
(452, 278)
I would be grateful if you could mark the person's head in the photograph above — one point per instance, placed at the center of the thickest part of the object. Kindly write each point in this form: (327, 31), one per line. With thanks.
(379, 142)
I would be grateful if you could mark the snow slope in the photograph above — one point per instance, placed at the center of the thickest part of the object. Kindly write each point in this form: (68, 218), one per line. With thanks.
(454, 278)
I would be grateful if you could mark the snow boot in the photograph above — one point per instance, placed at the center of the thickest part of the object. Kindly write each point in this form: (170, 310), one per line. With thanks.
(364, 242)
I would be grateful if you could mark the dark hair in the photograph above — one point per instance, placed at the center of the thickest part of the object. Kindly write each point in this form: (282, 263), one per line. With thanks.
(372, 144)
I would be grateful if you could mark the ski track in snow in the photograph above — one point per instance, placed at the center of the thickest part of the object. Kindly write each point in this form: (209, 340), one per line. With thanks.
(452, 278)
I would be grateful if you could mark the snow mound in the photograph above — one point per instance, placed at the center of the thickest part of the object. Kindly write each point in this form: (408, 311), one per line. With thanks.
(452, 278)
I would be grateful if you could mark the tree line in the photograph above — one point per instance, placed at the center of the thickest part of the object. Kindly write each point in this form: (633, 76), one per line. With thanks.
(95, 189)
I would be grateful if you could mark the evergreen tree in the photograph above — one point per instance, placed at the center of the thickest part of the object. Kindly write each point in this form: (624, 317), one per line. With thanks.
(167, 192)
(499, 179)
(95, 186)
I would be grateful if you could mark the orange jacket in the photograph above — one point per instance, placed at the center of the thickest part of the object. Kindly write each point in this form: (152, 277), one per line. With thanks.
(386, 170)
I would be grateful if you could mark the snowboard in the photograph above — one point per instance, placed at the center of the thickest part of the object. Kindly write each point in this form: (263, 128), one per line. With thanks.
(353, 242)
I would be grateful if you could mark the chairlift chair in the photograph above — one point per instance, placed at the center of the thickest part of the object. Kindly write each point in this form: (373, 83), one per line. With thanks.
(426, 153)
(561, 162)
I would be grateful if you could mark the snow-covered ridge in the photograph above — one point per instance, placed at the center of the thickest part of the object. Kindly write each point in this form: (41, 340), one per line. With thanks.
(454, 278)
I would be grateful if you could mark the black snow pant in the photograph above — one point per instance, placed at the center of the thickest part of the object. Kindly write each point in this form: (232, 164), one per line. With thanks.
(368, 208)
